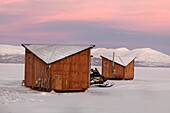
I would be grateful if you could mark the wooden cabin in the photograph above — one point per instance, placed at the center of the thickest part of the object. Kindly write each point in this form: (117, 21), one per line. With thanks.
(57, 67)
(122, 68)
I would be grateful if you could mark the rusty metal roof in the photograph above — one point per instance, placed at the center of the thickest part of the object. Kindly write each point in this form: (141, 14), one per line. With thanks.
(50, 53)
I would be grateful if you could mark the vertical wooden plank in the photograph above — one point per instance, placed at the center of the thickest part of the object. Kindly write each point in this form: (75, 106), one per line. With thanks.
(65, 73)
(35, 69)
(77, 76)
(107, 68)
(28, 68)
(129, 71)
(57, 82)
(84, 69)
(86, 82)
(74, 71)
(110, 69)
(132, 69)
(119, 71)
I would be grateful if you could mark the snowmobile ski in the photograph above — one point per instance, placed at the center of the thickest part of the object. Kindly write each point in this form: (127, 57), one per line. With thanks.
(107, 84)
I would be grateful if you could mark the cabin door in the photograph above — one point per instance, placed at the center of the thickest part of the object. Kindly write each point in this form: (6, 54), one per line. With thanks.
(57, 82)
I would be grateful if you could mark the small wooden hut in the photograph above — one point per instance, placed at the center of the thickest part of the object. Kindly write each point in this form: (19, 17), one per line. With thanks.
(122, 68)
(57, 67)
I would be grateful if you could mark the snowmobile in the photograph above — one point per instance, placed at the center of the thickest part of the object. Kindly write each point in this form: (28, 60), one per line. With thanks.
(96, 79)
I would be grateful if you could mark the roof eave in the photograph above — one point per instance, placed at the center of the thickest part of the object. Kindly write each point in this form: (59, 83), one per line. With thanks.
(48, 63)
(71, 55)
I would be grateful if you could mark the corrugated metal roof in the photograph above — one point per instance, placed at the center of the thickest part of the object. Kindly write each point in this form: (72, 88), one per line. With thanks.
(122, 60)
(54, 52)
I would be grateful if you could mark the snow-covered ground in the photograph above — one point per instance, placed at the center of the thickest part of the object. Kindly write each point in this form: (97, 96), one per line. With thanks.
(149, 92)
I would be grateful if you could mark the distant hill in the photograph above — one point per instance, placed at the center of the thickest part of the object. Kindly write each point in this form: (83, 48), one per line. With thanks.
(146, 57)
(11, 54)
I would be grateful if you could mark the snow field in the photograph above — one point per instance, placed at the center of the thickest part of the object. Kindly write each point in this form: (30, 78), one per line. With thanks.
(149, 92)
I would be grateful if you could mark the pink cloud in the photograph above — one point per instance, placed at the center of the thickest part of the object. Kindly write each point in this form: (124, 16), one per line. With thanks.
(37, 37)
(139, 15)
(142, 15)
(40, 34)
(4, 2)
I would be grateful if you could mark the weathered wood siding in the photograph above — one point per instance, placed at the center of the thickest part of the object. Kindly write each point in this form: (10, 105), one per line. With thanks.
(119, 74)
(126, 73)
(129, 71)
(36, 74)
(71, 73)
(107, 68)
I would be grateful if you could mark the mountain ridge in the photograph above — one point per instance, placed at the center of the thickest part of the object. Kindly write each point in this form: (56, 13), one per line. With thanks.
(146, 57)
(11, 54)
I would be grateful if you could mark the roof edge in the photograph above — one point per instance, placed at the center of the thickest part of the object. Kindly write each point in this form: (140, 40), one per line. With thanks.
(48, 63)
(72, 54)
(117, 62)
(63, 44)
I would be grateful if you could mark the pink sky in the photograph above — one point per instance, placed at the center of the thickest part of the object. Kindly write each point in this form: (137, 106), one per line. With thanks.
(138, 16)
(143, 15)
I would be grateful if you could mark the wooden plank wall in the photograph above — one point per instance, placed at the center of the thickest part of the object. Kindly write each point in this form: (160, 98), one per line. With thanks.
(71, 73)
(122, 72)
(119, 71)
(36, 71)
(107, 68)
(28, 70)
(129, 71)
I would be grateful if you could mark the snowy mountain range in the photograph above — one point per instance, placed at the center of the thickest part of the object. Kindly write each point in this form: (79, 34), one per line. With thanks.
(11, 54)
(144, 56)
